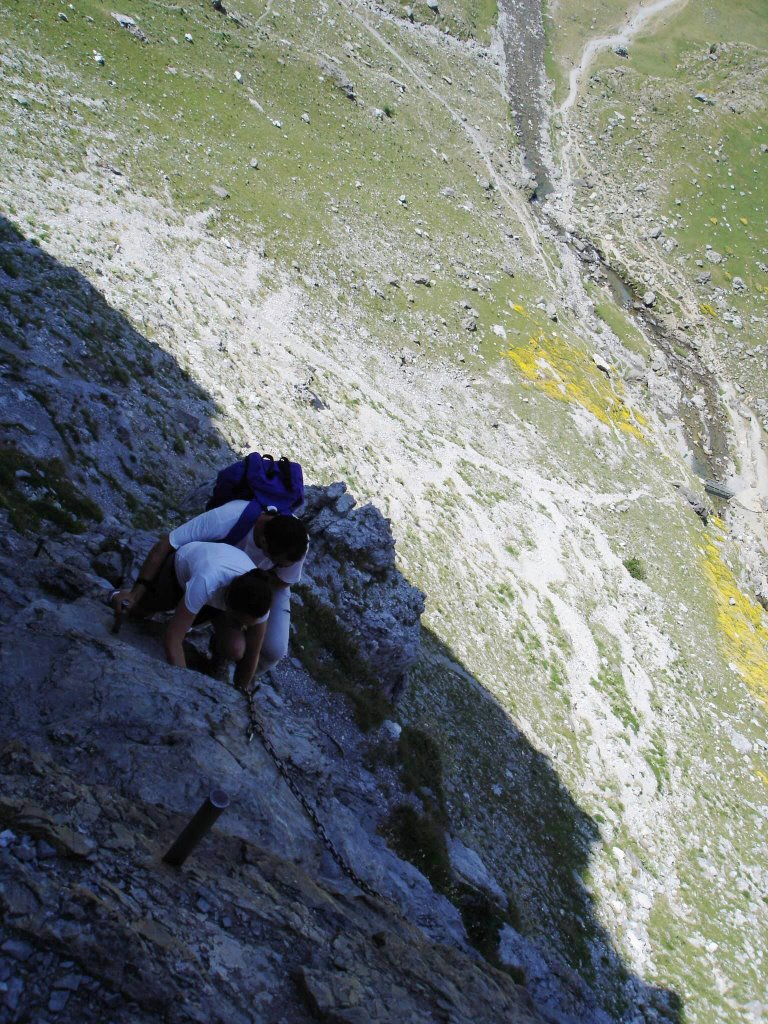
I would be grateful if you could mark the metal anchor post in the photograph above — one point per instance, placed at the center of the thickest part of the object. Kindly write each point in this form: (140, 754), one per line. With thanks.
(199, 826)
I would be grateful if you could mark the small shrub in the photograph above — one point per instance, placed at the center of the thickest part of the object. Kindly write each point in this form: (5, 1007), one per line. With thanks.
(483, 919)
(419, 839)
(47, 494)
(9, 264)
(422, 767)
(635, 568)
(120, 374)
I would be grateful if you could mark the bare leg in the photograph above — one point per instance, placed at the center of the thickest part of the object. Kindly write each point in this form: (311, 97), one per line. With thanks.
(229, 639)
(275, 644)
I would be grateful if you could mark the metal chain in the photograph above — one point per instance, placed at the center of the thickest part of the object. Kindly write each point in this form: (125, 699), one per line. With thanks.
(255, 728)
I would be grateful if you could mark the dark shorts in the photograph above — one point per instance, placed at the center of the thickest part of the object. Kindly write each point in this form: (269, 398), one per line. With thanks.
(166, 592)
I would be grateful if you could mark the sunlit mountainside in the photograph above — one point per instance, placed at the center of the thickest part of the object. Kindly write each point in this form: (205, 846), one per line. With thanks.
(504, 272)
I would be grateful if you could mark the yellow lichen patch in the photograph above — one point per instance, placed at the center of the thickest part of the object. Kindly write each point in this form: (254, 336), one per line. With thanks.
(743, 625)
(709, 310)
(569, 375)
(763, 777)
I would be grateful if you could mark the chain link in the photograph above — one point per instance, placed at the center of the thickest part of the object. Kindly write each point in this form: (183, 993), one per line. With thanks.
(255, 728)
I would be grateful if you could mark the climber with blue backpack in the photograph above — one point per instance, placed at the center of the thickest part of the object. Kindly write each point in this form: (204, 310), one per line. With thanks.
(251, 509)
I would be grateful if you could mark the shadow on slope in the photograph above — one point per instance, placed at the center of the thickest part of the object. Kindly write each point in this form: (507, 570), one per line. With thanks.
(465, 743)
(85, 388)
(536, 842)
(97, 421)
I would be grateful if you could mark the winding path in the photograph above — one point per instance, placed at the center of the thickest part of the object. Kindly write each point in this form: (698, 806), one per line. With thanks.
(636, 21)
(508, 195)
(748, 435)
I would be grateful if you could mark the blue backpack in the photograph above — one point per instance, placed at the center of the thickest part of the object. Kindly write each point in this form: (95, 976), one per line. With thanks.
(262, 482)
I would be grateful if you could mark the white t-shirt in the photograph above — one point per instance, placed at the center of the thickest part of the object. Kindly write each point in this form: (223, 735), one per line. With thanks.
(206, 570)
(216, 524)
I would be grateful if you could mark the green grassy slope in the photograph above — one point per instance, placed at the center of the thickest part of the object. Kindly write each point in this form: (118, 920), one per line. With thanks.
(697, 169)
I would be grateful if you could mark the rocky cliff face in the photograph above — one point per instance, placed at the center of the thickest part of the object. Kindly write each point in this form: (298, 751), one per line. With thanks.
(352, 581)
(308, 228)
(106, 751)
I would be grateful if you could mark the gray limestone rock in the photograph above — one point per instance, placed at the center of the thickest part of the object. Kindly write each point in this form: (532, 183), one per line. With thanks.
(350, 573)
(339, 79)
(469, 865)
(146, 742)
(126, 22)
(702, 509)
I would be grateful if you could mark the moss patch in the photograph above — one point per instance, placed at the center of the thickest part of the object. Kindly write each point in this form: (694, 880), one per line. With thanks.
(743, 630)
(568, 374)
(42, 492)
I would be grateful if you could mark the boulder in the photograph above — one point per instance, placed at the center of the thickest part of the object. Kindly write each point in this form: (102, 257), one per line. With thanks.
(124, 21)
(702, 509)
(350, 574)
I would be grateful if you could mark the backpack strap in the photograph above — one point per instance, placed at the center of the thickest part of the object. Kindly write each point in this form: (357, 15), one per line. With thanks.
(284, 466)
(244, 524)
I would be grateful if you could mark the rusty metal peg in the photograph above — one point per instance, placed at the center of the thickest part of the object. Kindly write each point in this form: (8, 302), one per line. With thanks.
(198, 827)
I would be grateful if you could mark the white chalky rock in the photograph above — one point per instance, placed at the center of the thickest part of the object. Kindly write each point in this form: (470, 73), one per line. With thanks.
(392, 729)
(601, 364)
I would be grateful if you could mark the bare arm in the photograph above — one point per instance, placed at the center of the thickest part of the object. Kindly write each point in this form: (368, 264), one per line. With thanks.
(246, 667)
(177, 629)
(149, 570)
